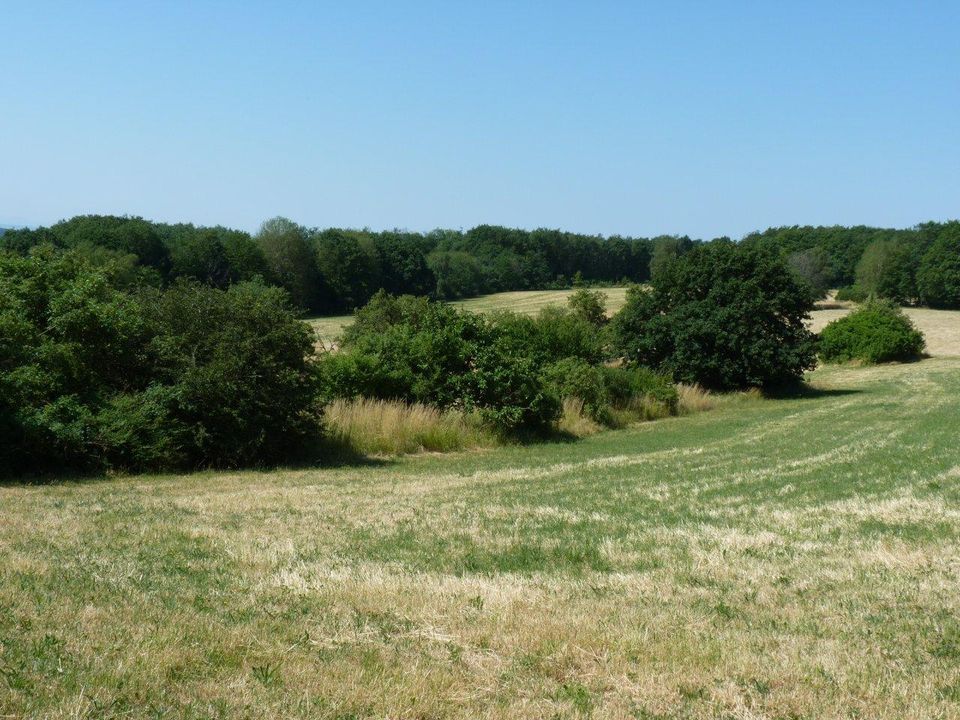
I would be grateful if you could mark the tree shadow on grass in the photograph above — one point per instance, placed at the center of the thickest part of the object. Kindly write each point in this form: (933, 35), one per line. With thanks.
(803, 391)
(325, 454)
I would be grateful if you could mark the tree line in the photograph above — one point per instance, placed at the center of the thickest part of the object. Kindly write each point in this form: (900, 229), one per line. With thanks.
(335, 270)
(914, 266)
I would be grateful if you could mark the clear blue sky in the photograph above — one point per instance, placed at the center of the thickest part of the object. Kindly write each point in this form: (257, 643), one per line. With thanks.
(705, 118)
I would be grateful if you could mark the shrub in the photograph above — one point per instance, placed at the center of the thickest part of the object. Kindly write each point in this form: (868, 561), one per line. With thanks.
(852, 293)
(877, 332)
(575, 378)
(555, 333)
(419, 351)
(627, 386)
(93, 377)
(591, 305)
(238, 365)
(69, 341)
(507, 389)
(723, 315)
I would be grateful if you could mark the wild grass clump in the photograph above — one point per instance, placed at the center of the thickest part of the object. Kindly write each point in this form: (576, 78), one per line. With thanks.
(612, 397)
(391, 427)
(576, 420)
(694, 399)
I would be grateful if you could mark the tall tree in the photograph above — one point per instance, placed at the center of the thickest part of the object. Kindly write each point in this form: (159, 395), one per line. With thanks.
(290, 258)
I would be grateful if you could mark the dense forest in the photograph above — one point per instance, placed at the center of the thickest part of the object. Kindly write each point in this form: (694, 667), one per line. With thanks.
(919, 265)
(330, 271)
(336, 270)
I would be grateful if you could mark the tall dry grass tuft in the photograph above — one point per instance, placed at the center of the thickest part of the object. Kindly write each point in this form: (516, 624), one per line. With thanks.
(694, 399)
(575, 420)
(389, 427)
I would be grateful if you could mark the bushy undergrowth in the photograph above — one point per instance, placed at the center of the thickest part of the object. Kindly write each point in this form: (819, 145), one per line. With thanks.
(575, 378)
(511, 371)
(874, 333)
(95, 377)
(851, 293)
(410, 349)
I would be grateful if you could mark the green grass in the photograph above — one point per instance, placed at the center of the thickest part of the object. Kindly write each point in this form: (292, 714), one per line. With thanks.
(790, 558)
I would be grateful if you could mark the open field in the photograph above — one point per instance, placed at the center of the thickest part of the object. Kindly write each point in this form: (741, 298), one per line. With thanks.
(533, 301)
(522, 301)
(792, 558)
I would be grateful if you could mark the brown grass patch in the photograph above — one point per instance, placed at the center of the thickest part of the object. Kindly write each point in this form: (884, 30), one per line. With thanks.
(386, 427)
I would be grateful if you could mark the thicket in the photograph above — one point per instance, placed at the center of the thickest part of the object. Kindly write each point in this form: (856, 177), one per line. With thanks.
(512, 371)
(420, 351)
(873, 333)
(98, 374)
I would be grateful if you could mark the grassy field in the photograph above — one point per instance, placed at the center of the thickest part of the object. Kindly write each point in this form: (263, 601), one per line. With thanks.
(795, 558)
(523, 301)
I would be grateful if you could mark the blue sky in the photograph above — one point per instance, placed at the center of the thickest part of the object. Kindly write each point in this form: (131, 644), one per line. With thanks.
(704, 118)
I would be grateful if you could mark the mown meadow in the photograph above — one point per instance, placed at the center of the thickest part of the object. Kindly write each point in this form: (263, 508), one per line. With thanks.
(771, 558)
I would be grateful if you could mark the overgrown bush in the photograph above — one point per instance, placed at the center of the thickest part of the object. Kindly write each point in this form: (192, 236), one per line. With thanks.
(419, 351)
(723, 315)
(553, 334)
(95, 377)
(851, 293)
(876, 332)
(238, 363)
(575, 378)
(625, 385)
(591, 305)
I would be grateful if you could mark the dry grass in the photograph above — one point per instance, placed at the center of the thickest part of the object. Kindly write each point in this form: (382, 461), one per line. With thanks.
(575, 421)
(767, 560)
(694, 399)
(385, 427)
(530, 302)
